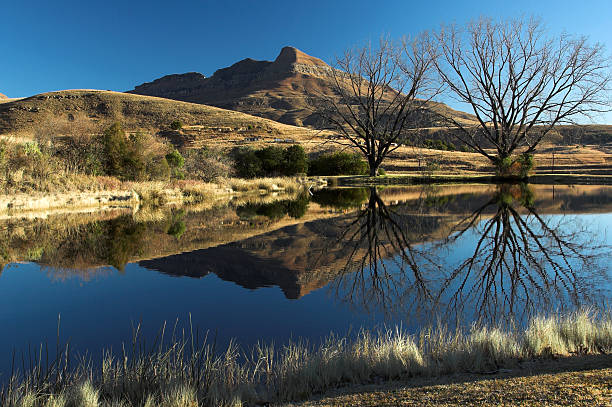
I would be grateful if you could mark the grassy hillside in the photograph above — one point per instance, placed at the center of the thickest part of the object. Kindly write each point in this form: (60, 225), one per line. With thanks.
(29, 116)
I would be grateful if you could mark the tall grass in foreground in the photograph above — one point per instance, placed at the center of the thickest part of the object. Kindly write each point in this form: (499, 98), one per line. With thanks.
(189, 372)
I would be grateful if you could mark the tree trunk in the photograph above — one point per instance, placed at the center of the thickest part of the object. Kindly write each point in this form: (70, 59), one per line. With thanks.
(373, 170)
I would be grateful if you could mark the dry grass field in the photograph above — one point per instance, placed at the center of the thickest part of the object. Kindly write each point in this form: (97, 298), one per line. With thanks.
(29, 116)
(205, 126)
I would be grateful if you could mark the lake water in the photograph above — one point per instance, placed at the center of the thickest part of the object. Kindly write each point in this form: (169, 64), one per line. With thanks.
(333, 260)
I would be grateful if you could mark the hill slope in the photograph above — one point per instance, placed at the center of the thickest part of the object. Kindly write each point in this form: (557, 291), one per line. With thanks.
(277, 90)
(24, 117)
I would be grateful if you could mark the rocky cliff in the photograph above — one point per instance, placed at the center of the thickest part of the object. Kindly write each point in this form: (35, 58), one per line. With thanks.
(272, 89)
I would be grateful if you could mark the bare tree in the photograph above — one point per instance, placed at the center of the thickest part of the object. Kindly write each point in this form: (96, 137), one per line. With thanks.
(520, 82)
(377, 92)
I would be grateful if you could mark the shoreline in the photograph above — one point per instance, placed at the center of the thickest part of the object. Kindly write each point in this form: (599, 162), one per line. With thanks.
(414, 179)
(134, 195)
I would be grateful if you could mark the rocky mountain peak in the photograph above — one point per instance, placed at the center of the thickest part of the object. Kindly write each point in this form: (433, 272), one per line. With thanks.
(291, 55)
(172, 84)
(3, 96)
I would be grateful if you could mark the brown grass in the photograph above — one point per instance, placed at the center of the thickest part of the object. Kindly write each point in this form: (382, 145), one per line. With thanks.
(24, 117)
(198, 374)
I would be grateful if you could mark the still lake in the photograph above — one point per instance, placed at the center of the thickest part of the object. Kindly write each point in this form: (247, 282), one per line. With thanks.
(277, 268)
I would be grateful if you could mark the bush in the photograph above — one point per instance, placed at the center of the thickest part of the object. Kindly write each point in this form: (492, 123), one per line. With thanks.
(207, 165)
(339, 163)
(115, 150)
(437, 144)
(247, 163)
(139, 157)
(176, 125)
(270, 161)
(176, 162)
(515, 167)
(295, 160)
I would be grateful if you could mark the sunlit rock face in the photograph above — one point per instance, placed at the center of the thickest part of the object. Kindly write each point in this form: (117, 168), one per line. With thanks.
(276, 89)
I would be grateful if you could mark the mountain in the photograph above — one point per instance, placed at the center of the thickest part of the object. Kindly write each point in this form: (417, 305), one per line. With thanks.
(276, 90)
(2, 96)
(27, 116)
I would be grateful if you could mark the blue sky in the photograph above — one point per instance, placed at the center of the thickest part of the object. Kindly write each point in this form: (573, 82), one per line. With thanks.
(65, 44)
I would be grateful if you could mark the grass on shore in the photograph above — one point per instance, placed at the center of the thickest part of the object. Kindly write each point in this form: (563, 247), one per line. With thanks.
(194, 192)
(184, 373)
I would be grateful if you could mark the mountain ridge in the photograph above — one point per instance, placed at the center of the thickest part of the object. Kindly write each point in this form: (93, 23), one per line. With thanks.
(277, 90)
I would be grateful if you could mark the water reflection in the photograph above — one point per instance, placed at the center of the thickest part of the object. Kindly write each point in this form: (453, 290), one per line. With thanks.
(520, 262)
(383, 269)
(487, 251)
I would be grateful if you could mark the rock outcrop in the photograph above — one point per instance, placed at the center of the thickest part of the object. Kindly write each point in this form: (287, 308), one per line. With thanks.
(280, 90)
(276, 90)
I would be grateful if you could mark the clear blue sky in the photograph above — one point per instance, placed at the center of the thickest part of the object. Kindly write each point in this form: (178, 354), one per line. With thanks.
(65, 44)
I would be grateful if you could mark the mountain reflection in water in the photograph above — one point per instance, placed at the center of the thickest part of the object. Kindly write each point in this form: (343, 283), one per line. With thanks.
(492, 251)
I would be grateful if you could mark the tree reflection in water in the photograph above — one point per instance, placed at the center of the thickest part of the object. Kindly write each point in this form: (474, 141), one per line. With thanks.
(519, 263)
(522, 263)
(379, 245)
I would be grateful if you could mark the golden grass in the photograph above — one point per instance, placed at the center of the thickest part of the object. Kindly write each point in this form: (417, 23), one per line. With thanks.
(187, 374)
(287, 184)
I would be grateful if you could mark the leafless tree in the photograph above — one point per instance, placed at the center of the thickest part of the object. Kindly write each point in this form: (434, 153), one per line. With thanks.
(378, 91)
(520, 83)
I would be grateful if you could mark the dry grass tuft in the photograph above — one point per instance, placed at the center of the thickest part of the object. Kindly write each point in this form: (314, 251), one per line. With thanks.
(185, 374)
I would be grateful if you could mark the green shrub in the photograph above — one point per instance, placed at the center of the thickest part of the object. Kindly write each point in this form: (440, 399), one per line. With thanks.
(526, 164)
(176, 125)
(295, 160)
(158, 169)
(176, 162)
(139, 157)
(270, 161)
(115, 150)
(175, 159)
(339, 163)
(437, 144)
(515, 167)
(247, 163)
